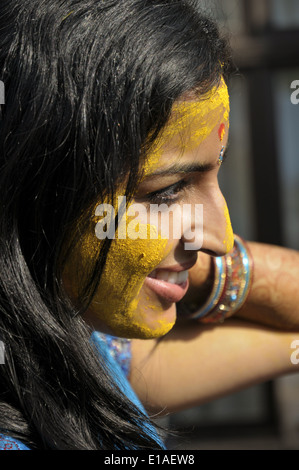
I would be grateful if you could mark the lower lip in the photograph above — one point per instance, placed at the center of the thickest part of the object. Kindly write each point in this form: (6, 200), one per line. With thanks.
(170, 292)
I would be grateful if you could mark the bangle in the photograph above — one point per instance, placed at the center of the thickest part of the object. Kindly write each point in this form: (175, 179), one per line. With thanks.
(219, 267)
(232, 283)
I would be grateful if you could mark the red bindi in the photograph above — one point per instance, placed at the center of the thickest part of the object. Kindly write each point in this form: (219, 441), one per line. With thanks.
(221, 132)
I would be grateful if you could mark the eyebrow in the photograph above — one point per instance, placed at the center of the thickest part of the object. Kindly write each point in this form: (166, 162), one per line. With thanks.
(187, 168)
(183, 169)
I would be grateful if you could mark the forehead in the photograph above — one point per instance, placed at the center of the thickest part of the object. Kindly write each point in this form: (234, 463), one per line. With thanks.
(192, 121)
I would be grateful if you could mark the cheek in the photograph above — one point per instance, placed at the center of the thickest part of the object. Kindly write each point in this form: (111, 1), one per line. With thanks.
(129, 261)
(117, 301)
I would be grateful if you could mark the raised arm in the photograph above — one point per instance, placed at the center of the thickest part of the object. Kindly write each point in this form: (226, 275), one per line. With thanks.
(274, 296)
(196, 363)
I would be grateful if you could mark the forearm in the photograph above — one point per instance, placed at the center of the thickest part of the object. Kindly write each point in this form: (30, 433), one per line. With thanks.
(274, 296)
(198, 363)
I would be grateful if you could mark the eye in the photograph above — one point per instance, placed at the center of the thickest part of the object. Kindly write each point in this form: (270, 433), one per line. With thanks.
(167, 195)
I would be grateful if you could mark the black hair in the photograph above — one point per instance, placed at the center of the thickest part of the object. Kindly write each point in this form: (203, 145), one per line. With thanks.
(86, 83)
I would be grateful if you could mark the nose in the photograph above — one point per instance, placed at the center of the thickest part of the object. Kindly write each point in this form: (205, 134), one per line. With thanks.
(217, 233)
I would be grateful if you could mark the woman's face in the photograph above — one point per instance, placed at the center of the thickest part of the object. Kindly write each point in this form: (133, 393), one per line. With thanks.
(180, 210)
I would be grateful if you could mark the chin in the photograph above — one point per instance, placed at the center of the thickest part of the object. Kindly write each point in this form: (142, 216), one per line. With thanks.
(153, 323)
(144, 321)
(145, 332)
(146, 325)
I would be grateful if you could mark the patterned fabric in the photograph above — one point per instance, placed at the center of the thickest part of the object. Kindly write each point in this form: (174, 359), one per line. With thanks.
(8, 443)
(120, 350)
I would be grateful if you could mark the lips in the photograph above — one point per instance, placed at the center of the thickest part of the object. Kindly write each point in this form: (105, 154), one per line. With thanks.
(171, 284)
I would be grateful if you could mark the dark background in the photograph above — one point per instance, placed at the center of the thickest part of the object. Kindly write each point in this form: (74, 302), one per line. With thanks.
(260, 181)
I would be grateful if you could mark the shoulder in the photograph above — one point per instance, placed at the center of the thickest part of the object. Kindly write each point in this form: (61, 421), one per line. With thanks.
(9, 443)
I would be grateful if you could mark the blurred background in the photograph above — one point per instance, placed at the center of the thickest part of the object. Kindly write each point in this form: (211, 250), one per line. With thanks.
(260, 181)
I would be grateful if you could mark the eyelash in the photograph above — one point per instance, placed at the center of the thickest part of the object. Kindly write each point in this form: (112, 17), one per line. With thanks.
(167, 195)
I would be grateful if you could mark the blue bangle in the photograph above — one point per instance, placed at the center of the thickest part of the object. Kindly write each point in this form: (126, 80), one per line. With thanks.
(239, 263)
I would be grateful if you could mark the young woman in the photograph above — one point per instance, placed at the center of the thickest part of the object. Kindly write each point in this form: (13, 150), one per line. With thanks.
(112, 135)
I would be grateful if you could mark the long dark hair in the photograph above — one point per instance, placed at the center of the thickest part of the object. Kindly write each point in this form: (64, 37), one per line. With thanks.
(86, 83)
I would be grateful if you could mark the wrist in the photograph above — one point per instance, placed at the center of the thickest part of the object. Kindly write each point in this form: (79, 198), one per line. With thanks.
(232, 280)
(201, 281)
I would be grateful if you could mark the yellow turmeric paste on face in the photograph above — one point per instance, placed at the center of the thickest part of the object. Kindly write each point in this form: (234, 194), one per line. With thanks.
(191, 122)
(128, 264)
(129, 261)
(119, 302)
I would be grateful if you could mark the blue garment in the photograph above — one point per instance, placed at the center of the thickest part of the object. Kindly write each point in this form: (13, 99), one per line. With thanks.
(8, 443)
(118, 359)
(118, 362)
(116, 352)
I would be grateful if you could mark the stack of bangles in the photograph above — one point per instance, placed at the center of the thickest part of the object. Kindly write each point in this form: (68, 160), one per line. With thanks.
(233, 275)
